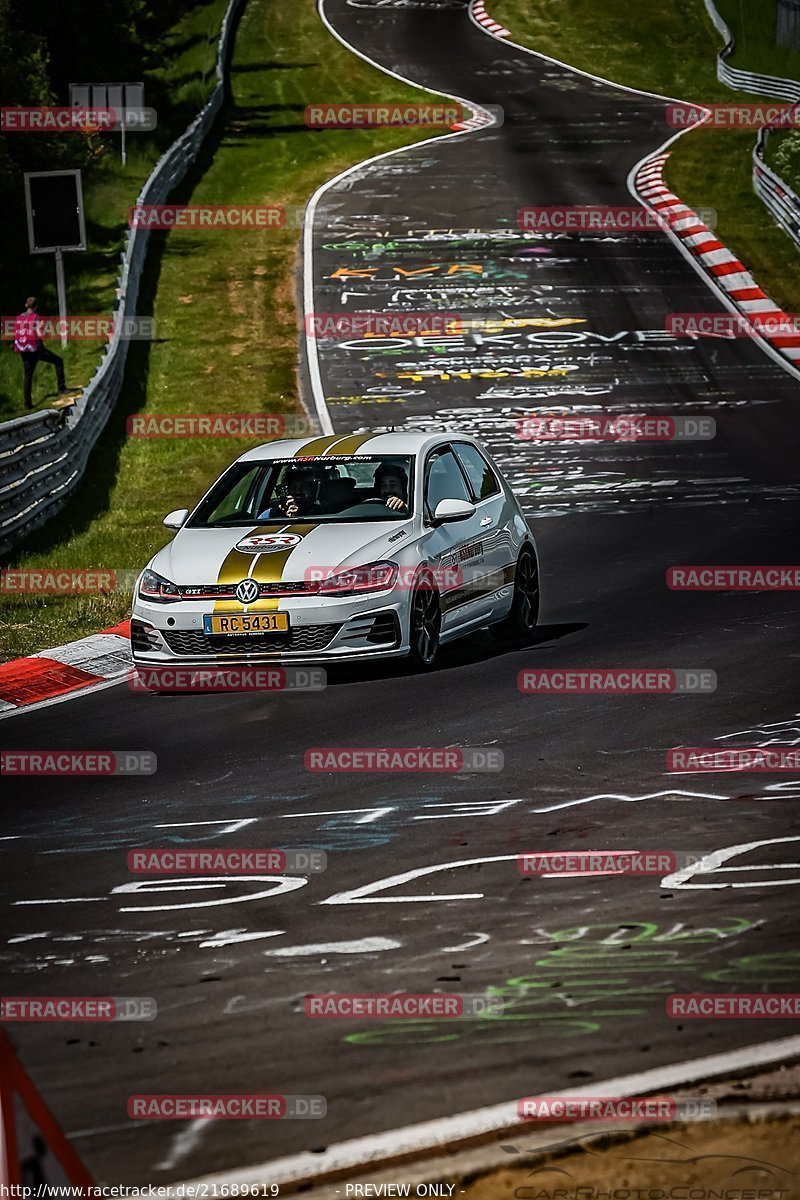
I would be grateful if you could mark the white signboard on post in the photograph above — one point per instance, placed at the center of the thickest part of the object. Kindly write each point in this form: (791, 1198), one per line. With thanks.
(125, 99)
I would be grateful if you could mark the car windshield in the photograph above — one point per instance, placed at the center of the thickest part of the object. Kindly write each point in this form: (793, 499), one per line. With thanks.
(345, 488)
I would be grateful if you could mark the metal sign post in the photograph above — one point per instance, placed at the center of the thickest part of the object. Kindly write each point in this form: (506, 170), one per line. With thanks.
(61, 289)
(54, 204)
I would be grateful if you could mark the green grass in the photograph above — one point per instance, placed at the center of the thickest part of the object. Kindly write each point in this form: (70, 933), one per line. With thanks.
(175, 87)
(223, 302)
(666, 46)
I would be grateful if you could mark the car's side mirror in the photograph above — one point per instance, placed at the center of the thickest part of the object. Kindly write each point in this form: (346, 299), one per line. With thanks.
(177, 518)
(453, 510)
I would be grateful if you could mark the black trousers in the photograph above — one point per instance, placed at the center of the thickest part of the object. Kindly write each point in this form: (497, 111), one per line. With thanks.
(29, 360)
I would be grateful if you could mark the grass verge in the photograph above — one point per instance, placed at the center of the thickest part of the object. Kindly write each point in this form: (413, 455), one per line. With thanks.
(224, 311)
(668, 48)
(707, 1161)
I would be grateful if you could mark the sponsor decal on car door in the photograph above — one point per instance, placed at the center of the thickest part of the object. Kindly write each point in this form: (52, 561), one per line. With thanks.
(456, 548)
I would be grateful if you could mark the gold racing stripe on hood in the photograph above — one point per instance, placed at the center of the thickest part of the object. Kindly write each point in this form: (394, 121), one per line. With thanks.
(352, 443)
(265, 568)
(316, 446)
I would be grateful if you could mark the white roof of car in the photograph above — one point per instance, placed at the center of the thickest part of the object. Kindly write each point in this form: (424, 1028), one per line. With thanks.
(368, 444)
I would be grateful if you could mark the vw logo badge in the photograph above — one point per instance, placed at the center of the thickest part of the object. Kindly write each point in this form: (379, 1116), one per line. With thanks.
(247, 591)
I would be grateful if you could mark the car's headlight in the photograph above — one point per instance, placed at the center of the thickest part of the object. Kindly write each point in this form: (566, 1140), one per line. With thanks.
(156, 587)
(374, 577)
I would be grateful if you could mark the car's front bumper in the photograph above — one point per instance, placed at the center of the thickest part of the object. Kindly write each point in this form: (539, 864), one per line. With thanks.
(333, 630)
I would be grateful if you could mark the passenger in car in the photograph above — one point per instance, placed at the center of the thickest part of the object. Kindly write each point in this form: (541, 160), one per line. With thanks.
(391, 486)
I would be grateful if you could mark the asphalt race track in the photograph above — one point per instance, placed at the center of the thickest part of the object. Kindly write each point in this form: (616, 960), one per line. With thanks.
(584, 965)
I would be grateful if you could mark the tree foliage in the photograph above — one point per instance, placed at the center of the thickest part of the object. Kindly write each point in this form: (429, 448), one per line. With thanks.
(46, 45)
(786, 159)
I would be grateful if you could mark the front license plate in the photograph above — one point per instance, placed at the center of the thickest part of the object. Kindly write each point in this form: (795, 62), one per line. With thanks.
(248, 623)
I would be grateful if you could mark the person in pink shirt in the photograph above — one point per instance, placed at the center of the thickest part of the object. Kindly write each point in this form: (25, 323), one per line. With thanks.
(29, 345)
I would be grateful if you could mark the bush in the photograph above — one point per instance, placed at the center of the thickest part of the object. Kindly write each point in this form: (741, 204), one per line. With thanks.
(785, 158)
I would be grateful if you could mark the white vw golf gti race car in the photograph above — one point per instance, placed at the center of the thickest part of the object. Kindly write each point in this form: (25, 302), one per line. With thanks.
(334, 549)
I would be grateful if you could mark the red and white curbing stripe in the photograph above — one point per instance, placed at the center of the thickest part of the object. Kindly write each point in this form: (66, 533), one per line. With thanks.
(478, 11)
(730, 275)
(480, 120)
(52, 674)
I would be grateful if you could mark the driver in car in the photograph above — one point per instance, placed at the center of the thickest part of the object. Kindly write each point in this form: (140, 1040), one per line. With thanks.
(391, 486)
(298, 496)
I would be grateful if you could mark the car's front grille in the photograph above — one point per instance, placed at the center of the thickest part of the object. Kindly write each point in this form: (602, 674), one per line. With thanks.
(227, 591)
(301, 637)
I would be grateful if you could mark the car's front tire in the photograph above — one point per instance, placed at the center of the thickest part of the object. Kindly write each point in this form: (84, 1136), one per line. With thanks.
(520, 624)
(425, 623)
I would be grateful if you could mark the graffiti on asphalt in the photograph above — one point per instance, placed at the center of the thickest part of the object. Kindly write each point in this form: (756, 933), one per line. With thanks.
(590, 974)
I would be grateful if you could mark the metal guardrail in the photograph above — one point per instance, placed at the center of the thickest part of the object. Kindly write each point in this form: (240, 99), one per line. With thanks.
(43, 455)
(774, 192)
